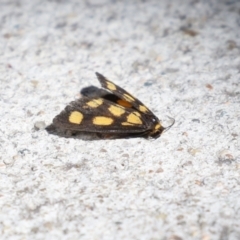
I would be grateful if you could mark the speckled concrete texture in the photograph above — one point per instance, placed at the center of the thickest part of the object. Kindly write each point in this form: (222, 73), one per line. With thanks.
(182, 59)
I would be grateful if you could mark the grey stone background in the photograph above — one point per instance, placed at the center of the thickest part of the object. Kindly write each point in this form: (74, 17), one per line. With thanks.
(182, 59)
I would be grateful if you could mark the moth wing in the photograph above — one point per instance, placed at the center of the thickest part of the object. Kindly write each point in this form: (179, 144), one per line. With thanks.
(122, 94)
(100, 115)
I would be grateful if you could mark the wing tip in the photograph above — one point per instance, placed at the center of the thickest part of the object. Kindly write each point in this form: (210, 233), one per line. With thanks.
(99, 75)
(101, 78)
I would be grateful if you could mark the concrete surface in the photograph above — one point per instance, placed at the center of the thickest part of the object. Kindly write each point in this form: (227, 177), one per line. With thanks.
(182, 59)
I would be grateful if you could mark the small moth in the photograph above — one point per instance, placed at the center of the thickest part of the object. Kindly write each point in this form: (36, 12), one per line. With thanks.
(116, 114)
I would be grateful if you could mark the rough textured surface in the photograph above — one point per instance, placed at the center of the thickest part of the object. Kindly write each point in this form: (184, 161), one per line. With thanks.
(182, 59)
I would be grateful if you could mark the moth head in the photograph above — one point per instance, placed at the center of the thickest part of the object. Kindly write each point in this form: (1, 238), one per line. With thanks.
(159, 129)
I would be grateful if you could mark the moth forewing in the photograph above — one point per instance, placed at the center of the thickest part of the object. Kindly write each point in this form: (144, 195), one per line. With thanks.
(123, 94)
(89, 115)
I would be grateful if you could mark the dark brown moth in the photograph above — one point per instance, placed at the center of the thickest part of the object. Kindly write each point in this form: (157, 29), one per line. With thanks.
(116, 114)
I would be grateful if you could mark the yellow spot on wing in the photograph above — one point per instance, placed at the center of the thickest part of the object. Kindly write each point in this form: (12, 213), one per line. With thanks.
(134, 118)
(95, 103)
(157, 126)
(116, 111)
(111, 86)
(75, 117)
(124, 103)
(104, 121)
(137, 113)
(128, 98)
(143, 109)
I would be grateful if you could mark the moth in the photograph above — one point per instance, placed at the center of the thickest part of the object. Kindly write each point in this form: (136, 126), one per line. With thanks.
(116, 114)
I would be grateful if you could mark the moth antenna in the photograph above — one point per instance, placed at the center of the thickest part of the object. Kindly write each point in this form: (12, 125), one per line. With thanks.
(173, 121)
